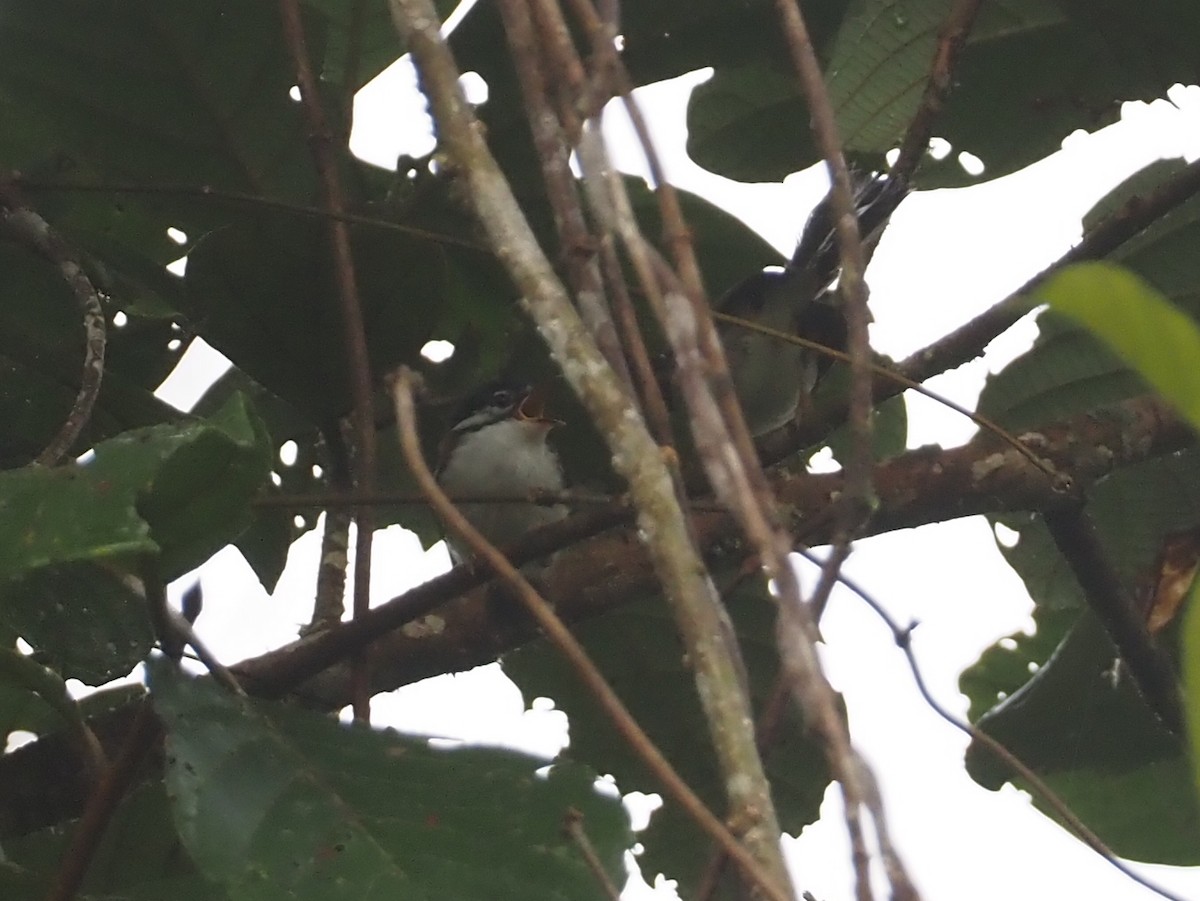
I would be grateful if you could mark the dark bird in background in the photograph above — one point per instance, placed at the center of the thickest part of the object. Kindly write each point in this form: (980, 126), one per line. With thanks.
(773, 378)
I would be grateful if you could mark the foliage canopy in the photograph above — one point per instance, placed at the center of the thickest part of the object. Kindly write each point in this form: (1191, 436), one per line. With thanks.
(129, 122)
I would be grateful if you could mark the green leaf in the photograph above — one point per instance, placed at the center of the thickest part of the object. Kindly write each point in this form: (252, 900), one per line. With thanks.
(41, 356)
(273, 802)
(640, 653)
(1030, 74)
(263, 292)
(194, 94)
(1082, 725)
(70, 536)
(1160, 341)
(139, 857)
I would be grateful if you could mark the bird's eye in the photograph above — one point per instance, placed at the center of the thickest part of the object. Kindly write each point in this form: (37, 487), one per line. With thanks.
(503, 398)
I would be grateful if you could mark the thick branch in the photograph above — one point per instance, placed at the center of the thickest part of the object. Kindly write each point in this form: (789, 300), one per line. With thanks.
(914, 489)
(451, 627)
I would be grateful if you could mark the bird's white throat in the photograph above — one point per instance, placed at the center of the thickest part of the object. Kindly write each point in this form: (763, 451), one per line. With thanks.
(506, 458)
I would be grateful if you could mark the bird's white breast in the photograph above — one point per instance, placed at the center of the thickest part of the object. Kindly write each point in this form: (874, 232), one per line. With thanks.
(507, 458)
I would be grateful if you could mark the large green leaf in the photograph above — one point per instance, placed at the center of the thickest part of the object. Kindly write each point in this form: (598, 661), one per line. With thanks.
(264, 294)
(1081, 724)
(1160, 341)
(139, 858)
(643, 659)
(1031, 73)
(70, 535)
(272, 802)
(194, 94)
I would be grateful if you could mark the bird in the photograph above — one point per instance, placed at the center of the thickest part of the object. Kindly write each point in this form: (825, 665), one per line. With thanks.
(773, 378)
(498, 447)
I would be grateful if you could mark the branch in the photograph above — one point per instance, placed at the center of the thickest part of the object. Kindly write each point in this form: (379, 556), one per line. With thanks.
(419, 634)
(1076, 539)
(26, 227)
(796, 626)
(952, 36)
(968, 341)
(916, 488)
(334, 200)
(686, 583)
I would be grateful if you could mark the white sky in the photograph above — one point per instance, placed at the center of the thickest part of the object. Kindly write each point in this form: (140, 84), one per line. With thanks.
(948, 255)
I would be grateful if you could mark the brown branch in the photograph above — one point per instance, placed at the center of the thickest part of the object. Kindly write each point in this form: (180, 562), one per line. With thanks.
(102, 803)
(796, 625)
(915, 488)
(952, 36)
(578, 245)
(968, 341)
(363, 460)
(1075, 537)
(573, 827)
(560, 636)
(26, 227)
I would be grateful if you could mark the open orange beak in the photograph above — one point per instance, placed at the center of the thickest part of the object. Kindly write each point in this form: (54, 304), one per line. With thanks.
(533, 408)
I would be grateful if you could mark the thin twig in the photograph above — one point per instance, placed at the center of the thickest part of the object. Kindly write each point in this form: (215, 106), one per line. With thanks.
(26, 227)
(903, 639)
(34, 184)
(578, 245)
(560, 636)
(852, 285)
(573, 826)
(952, 36)
(363, 458)
(101, 804)
(969, 340)
(796, 625)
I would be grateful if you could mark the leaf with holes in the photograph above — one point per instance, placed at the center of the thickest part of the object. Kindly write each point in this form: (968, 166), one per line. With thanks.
(274, 802)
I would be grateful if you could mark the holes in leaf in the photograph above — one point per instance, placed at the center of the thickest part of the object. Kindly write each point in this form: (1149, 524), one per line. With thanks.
(474, 87)
(18, 738)
(276, 479)
(178, 235)
(288, 451)
(970, 163)
(119, 320)
(1006, 537)
(939, 148)
(437, 351)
